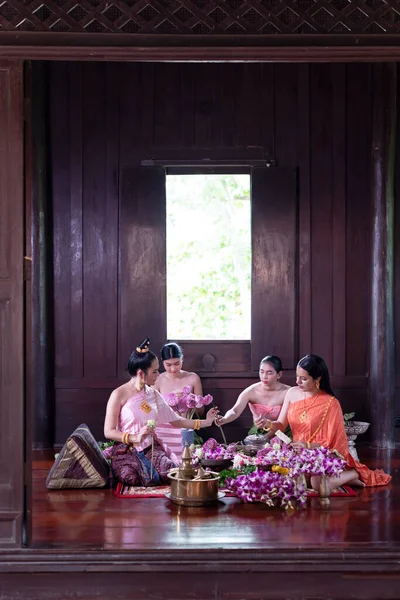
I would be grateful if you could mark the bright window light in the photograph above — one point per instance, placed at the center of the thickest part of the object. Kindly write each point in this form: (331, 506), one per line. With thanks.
(208, 257)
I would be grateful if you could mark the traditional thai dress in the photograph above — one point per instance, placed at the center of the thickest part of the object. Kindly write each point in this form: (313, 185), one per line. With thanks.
(132, 464)
(271, 412)
(320, 419)
(172, 436)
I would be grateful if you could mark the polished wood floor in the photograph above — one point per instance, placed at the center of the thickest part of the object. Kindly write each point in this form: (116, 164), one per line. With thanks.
(96, 519)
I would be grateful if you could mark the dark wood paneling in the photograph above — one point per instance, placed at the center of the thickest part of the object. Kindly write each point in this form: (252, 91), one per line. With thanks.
(358, 218)
(311, 118)
(321, 94)
(136, 111)
(285, 115)
(167, 115)
(206, 106)
(66, 151)
(304, 222)
(397, 262)
(100, 220)
(229, 357)
(11, 304)
(142, 268)
(382, 360)
(249, 102)
(338, 219)
(274, 218)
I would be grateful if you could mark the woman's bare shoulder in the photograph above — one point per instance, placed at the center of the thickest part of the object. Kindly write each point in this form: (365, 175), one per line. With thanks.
(194, 378)
(121, 393)
(161, 377)
(251, 389)
(293, 394)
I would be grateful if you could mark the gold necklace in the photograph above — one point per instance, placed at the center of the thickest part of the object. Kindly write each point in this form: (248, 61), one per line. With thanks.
(322, 420)
(304, 414)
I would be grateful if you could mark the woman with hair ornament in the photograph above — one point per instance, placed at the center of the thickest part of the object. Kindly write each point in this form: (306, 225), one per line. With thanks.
(134, 410)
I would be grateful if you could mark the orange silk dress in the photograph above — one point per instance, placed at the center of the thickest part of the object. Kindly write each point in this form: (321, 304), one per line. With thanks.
(319, 419)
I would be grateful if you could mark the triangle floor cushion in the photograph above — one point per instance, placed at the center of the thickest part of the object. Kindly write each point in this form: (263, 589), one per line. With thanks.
(80, 464)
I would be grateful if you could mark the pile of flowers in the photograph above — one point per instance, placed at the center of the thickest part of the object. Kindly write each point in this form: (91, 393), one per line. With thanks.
(268, 487)
(211, 450)
(275, 475)
(314, 461)
(189, 400)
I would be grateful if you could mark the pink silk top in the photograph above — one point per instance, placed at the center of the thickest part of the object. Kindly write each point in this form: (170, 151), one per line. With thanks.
(172, 436)
(133, 417)
(271, 412)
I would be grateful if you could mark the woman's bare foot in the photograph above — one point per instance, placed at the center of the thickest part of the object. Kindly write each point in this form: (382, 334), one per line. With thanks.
(356, 483)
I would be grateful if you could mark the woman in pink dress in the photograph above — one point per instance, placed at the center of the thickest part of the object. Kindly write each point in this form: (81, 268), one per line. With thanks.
(265, 398)
(173, 381)
(134, 410)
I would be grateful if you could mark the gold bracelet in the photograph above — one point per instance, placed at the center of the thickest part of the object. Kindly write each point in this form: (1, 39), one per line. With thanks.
(125, 438)
(266, 429)
(196, 424)
(308, 445)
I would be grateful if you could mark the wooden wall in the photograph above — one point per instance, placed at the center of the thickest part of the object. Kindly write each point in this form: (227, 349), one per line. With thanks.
(314, 120)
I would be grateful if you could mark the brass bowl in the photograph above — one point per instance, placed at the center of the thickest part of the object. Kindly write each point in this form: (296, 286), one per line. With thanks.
(193, 492)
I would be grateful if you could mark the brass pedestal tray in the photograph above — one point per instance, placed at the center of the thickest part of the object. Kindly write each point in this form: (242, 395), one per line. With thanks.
(191, 486)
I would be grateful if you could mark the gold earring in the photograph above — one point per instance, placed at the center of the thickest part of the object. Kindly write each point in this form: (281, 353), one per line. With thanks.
(139, 385)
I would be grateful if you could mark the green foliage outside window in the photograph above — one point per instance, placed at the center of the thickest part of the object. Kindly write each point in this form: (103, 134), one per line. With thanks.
(208, 257)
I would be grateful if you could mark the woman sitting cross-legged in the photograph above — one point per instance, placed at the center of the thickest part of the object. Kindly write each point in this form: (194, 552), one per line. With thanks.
(265, 398)
(133, 412)
(316, 419)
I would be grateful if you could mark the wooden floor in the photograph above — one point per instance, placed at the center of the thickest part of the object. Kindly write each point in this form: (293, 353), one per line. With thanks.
(97, 520)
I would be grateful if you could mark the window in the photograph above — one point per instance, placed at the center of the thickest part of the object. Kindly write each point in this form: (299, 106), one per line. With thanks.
(208, 257)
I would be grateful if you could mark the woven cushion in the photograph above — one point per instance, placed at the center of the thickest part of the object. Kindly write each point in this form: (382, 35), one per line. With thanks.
(80, 464)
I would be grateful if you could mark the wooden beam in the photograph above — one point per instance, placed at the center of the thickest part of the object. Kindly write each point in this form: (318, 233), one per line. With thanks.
(382, 384)
(147, 48)
(42, 398)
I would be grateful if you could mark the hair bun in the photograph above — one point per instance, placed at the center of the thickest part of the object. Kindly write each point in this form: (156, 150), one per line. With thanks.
(143, 348)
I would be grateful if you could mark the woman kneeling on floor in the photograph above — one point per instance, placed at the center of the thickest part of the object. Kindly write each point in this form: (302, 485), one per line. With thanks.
(133, 411)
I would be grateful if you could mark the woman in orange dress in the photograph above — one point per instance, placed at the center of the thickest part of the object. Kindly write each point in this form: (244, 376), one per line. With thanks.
(316, 419)
(265, 398)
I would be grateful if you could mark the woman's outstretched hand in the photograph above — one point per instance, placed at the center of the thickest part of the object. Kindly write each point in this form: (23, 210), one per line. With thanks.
(219, 421)
(212, 415)
(262, 422)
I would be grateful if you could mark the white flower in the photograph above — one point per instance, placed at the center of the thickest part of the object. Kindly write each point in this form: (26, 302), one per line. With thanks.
(151, 423)
(199, 452)
(241, 461)
(276, 446)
